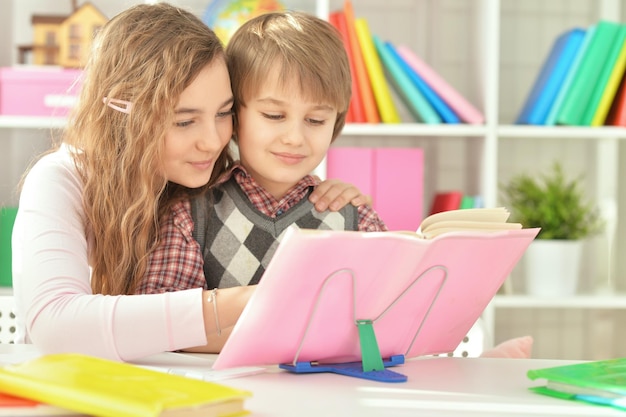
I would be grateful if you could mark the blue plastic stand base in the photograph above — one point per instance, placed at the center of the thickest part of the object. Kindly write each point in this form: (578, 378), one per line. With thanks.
(354, 369)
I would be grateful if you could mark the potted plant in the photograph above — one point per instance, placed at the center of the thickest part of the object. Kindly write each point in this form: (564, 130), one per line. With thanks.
(558, 206)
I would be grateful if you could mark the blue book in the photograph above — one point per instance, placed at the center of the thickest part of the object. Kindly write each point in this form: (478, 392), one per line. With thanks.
(569, 78)
(551, 77)
(441, 107)
(411, 95)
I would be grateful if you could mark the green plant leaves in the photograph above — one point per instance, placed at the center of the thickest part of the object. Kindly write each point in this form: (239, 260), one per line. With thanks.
(553, 203)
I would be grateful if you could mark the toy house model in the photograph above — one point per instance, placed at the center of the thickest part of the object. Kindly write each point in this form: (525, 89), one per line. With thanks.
(64, 40)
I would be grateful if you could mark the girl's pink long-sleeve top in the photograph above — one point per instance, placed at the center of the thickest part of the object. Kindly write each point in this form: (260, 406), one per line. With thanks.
(55, 307)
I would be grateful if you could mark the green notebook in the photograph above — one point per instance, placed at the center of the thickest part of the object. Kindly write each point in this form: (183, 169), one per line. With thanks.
(588, 74)
(596, 382)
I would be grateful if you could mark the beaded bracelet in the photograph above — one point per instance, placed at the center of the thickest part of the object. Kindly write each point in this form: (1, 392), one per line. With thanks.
(213, 299)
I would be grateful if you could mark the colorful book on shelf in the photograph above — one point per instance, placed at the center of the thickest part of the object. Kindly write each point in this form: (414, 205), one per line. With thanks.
(551, 76)
(478, 201)
(596, 382)
(356, 114)
(459, 104)
(617, 113)
(602, 90)
(418, 295)
(333, 20)
(588, 74)
(384, 101)
(613, 81)
(365, 89)
(413, 98)
(446, 201)
(443, 110)
(467, 201)
(101, 387)
(571, 73)
(440, 106)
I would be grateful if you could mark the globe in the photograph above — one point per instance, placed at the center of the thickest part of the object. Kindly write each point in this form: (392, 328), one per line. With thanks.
(225, 16)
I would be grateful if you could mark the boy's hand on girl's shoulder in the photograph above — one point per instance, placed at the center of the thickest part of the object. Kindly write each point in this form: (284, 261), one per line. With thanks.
(334, 194)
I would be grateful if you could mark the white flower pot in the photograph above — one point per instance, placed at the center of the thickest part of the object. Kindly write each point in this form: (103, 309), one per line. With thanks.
(553, 267)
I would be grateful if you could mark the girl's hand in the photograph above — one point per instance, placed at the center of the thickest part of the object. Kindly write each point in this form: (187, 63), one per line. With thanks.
(335, 194)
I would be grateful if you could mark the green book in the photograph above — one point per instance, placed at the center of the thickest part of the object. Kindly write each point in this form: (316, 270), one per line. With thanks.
(605, 73)
(597, 382)
(410, 94)
(467, 202)
(588, 74)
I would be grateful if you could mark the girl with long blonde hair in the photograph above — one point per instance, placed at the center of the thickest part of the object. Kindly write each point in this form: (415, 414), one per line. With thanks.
(150, 129)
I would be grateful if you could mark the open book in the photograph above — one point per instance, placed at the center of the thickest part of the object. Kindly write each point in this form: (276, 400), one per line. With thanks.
(472, 219)
(421, 296)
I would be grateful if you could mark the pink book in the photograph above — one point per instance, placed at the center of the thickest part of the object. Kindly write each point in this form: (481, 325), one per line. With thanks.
(461, 106)
(422, 295)
(352, 165)
(399, 187)
(392, 176)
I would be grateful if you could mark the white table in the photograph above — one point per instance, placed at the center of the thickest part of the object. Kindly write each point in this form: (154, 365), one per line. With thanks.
(438, 387)
(435, 387)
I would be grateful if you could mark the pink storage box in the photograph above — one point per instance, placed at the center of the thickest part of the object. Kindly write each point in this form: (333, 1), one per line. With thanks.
(33, 91)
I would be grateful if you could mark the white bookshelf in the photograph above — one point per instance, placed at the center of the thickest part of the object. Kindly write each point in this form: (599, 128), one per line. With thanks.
(31, 122)
(507, 42)
(591, 302)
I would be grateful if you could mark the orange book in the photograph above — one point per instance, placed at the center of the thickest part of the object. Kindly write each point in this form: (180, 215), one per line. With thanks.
(365, 89)
(332, 19)
(355, 111)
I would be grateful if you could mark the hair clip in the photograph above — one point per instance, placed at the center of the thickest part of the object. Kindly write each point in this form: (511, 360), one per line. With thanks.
(119, 105)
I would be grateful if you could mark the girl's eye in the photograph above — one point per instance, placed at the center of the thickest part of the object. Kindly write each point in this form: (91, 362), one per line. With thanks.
(184, 123)
(317, 122)
(226, 113)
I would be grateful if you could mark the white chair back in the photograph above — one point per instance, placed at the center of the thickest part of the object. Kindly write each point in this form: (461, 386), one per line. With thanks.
(7, 319)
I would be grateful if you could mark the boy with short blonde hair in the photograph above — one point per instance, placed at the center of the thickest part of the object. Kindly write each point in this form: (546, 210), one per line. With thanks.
(291, 83)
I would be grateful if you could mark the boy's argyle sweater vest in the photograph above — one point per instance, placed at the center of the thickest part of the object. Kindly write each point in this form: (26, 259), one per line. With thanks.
(237, 241)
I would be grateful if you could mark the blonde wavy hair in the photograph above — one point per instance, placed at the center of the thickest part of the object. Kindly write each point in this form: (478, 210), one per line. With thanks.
(307, 49)
(146, 55)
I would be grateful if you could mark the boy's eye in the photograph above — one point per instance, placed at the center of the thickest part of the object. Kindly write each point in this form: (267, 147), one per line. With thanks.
(272, 116)
(317, 121)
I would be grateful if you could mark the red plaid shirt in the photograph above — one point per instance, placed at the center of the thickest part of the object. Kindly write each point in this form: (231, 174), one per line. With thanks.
(177, 263)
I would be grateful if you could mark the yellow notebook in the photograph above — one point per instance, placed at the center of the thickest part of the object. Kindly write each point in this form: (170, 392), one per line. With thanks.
(384, 101)
(106, 388)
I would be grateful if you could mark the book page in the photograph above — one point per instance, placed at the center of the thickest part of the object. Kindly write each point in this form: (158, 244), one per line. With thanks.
(459, 226)
(497, 215)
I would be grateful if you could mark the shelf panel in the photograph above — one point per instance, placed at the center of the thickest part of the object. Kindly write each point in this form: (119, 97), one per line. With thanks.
(616, 301)
(566, 132)
(32, 122)
(413, 129)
